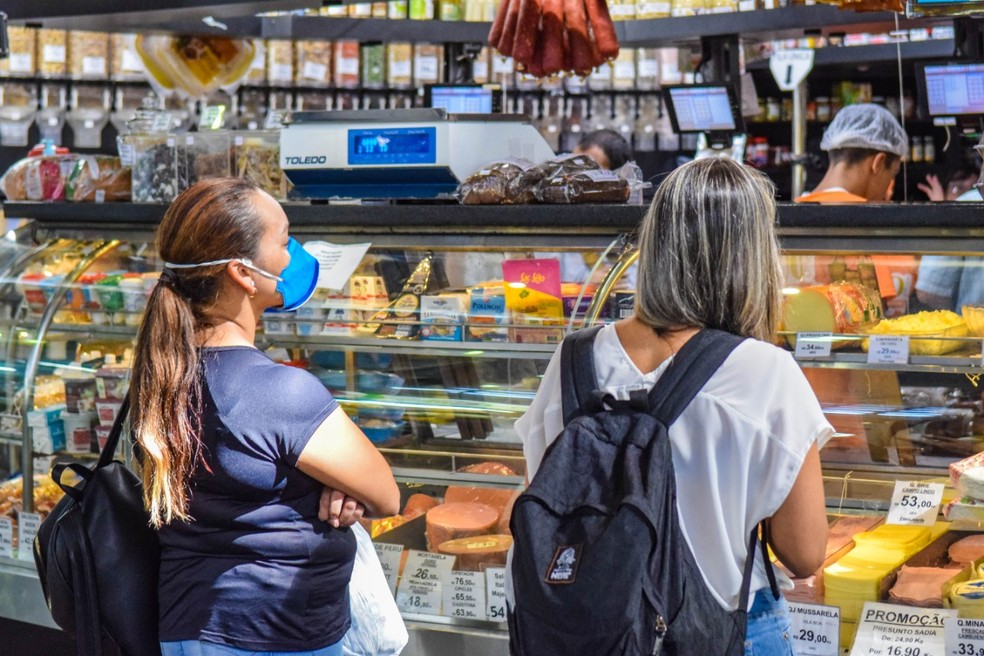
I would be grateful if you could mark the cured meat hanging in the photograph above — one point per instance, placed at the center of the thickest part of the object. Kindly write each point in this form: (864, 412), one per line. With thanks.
(546, 37)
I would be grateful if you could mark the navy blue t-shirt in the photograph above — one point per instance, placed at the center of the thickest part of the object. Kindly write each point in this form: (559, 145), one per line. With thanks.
(256, 569)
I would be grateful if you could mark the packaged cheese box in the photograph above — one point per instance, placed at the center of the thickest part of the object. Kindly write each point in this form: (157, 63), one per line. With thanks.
(443, 316)
(487, 316)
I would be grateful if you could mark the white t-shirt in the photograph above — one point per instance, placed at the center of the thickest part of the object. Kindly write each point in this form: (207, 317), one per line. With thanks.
(737, 448)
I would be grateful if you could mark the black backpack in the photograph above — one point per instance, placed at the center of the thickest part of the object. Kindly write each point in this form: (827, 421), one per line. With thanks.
(600, 565)
(98, 558)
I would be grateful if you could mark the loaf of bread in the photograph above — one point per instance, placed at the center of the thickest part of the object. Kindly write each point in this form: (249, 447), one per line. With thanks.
(583, 186)
(38, 178)
(490, 185)
(451, 521)
(98, 179)
(476, 553)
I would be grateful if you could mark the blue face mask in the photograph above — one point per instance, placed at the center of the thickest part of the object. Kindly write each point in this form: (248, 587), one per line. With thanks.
(296, 283)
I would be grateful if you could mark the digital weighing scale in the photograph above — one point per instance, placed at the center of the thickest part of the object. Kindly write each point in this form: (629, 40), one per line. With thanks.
(398, 153)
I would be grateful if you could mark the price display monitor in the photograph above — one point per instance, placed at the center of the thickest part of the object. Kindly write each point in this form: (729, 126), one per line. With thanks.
(464, 98)
(953, 90)
(711, 110)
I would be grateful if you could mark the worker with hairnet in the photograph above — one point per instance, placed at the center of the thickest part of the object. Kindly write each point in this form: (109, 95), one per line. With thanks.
(866, 146)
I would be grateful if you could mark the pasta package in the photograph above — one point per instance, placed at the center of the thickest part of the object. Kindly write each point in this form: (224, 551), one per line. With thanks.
(98, 179)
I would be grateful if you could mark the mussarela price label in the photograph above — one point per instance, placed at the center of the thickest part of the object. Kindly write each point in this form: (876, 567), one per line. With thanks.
(915, 503)
(889, 630)
(815, 629)
(421, 585)
(389, 557)
(888, 349)
(27, 528)
(964, 637)
(813, 345)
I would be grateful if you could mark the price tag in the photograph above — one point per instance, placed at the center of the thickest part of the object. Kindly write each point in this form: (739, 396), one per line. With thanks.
(888, 630)
(162, 122)
(815, 629)
(27, 528)
(6, 538)
(212, 117)
(964, 637)
(389, 557)
(495, 586)
(813, 345)
(420, 589)
(888, 349)
(126, 154)
(915, 503)
(274, 119)
(464, 596)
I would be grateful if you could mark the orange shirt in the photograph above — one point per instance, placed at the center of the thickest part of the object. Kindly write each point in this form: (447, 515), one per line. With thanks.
(831, 196)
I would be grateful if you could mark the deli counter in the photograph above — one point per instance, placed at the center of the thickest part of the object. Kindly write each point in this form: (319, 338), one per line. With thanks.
(432, 326)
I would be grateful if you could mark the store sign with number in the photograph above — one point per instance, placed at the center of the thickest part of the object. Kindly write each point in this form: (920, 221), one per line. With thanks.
(890, 630)
(815, 629)
(964, 637)
(915, 503)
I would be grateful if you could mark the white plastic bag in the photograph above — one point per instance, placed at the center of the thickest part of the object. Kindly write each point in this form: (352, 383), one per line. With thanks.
(377, 627)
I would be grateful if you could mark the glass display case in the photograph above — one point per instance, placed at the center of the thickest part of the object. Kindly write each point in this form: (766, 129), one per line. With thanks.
(434, 330)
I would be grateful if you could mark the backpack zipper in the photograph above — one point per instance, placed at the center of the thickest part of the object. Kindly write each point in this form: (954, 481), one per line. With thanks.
(660, 634)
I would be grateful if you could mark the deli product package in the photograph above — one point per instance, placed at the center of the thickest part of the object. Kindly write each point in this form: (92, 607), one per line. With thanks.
(38, 178)
(490, 185)
(98, 179)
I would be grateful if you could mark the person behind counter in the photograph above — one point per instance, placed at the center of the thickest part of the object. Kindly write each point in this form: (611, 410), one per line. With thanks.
(237, 449)
(866, 146)
(960, 186)
(746, 449)
(607, 147)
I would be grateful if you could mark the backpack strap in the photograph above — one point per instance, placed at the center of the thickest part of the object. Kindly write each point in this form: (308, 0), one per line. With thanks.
(109, 450)
(691, 368)
(746, 576)
(577, 372)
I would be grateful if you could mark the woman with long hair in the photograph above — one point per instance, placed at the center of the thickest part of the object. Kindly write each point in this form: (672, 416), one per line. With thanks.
(237, 450)
(746, 448)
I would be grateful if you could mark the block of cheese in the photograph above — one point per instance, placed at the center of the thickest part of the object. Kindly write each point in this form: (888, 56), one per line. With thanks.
(921, 586)
(968, 599)
(450, 521)
(967, 476)
(495, 497)
(418, 504)
(472, 553)
(842, 531)
(967, 550)
(964, 509)
(838, 308)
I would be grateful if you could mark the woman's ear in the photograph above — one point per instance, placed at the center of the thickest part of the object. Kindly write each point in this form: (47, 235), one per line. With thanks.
(241, 277)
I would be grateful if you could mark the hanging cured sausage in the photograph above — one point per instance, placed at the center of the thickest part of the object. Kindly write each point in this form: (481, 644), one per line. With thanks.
(546, 37)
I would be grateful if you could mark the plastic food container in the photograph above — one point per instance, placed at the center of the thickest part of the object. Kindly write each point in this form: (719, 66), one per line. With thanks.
(922, 328)
(23, 46)
(80, 393)
(380, 430)
(154, 167)
(203, 155)
(974, 316)
(88, 55)
(78, 431)
(107, 411)
(256, 157)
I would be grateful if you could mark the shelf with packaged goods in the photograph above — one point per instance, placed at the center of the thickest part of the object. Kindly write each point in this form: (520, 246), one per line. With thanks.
(233, 18)
(497, 350)
(867, 55)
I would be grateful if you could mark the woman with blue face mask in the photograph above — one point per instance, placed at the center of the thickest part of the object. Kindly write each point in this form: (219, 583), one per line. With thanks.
(252, 472)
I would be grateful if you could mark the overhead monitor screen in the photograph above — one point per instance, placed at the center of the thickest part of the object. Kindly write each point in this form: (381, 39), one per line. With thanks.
(955, 89)
(462, 100)
(703, 109)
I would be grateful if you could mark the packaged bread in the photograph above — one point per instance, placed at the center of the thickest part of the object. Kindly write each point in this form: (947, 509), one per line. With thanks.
(451, 521)
(583, 186)
(98, 179)
(523, 189)
(489, 186)
(840, 308)
(38, 178)
(476, 553)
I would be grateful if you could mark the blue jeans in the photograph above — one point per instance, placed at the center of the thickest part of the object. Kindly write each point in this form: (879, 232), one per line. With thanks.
(768, 632)
(197, 648)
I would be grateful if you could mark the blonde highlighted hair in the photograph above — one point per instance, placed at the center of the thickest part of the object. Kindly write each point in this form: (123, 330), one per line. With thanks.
(213, 220)
(709, 256)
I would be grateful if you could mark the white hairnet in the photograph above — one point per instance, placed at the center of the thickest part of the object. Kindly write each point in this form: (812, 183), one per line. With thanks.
(865, 126)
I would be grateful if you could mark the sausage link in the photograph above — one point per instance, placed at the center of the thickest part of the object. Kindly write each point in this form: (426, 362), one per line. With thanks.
(527, 29)
(552, 36)
(500, 21)
(602, 27)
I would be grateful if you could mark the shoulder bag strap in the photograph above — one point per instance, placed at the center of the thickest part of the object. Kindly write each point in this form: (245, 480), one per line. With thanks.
(106, 455)
(577, 371)
(691, 368)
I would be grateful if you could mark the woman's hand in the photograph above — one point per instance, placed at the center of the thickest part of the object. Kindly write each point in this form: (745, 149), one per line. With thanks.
(932, 188)
(339, 509)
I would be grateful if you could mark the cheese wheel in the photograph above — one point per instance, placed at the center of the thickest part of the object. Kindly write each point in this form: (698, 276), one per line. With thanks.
(839, 308)
(967, 550)
(493, 497)
(472, 553)
(418, 504)
(450, 521)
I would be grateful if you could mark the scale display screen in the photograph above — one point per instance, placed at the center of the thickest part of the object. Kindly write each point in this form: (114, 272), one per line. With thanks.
(392, 146)
(462, 99)
(955, 89)
(702, 109)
